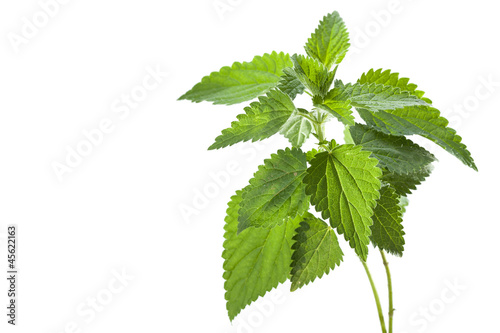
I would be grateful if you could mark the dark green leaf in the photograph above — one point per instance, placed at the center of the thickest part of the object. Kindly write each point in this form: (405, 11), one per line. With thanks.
(316, 251)
(387, 228)
(421, 120)
(395, 153)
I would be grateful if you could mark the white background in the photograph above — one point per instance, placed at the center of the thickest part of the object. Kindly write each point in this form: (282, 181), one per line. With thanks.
(119, 209)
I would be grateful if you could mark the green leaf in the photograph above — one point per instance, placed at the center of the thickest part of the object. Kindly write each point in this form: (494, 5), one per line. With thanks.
(423, 121)
(276, 192)
(312, 74)
(374, 97)
(405, 183)
(392, 79)
(242, 81)
(290, 84)
(316, 251)
(337, 104)
(330, 42)
(311, 153)
(395, 153)
(297, 128)
(344, 186)
(256, 260)
(261, 120)
(387, 228)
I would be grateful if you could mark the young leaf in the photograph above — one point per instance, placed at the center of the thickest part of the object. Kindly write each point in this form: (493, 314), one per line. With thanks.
(242, 81)
(256, 260)
(311, 154)
(261, 120)
(421, 120)
(312, 74)
(297, 128)
(316, 251)
(392, 79)
(330, 42)
(395, 153)
(337, 105)
(387, 228)
(344, 185)
(290, 84)
(405, 183)
(276, 192)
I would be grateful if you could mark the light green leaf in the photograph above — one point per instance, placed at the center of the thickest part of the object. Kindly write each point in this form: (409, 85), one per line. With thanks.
(276, 192)
(336, 103)
(242, 81)
(405, 183)
(316, 251)
(256, 260)
(392, 79)
(261, 120)
(403, 203)
(344, 186)
(312, 74)
(420, 120)
(395, 153)
(290, 84)
(330, 42)
(311, 153)
(373, 96)
(297, 128)
(387, 228)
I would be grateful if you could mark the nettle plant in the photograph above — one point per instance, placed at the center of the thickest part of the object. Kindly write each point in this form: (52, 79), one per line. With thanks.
(360, 187)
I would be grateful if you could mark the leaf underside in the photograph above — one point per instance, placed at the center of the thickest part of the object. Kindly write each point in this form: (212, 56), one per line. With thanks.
(395, 153)
(404, 184)
(423, 120)
(297, 129)
(420, 120)
(290, 84)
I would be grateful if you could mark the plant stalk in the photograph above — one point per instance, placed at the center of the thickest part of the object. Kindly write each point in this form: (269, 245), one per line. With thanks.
(377, 299)
(389, 285)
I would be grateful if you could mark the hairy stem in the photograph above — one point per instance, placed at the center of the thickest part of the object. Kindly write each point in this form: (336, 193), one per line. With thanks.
(319, 129)
(377, 299)
(389, 285)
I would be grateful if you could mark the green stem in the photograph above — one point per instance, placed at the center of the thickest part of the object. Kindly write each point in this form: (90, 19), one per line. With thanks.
(389, 285)
(377, 300)
(320, 131)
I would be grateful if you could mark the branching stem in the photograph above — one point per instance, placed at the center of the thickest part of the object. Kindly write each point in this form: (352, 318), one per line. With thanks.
(319, 128)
